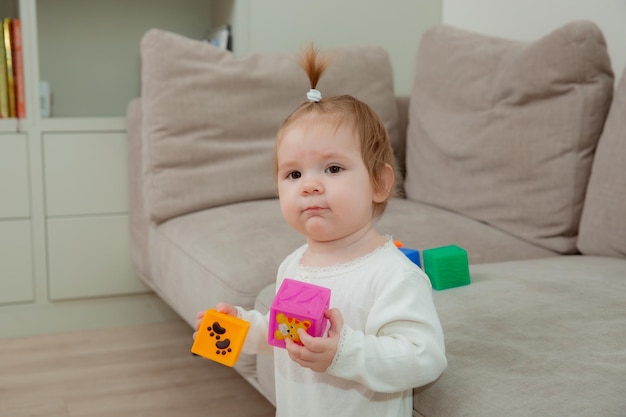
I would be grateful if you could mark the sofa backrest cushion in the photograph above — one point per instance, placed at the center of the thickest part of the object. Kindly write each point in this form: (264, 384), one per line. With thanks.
(504, 131)
(603, 223)
(210, 117)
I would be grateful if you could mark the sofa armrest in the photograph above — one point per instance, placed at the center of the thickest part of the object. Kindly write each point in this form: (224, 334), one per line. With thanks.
(138, 218)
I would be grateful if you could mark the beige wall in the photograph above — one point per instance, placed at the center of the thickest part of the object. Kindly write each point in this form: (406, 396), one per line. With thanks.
(396, 25)
(531, 19)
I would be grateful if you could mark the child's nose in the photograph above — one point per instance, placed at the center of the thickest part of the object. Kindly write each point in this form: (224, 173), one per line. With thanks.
(311, 186)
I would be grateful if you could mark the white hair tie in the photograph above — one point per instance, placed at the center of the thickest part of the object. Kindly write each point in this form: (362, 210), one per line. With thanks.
(314, 95)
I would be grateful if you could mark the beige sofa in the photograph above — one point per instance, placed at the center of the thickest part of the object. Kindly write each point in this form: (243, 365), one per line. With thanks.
(514, 151)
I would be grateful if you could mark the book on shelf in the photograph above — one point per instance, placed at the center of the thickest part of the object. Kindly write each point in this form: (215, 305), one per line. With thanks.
(18, 67)
(4, 86)
(12, 94)
(8, 48)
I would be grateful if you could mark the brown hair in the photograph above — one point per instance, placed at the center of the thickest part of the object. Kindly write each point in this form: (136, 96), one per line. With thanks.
(373, 137)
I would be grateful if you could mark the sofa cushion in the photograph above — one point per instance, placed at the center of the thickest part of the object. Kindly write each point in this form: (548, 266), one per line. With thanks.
(504, 131)
(603, 223)
(210, 117)
(535, 337)
(420, 226)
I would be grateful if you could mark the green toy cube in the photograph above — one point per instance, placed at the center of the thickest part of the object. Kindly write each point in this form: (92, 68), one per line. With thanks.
(446, 266)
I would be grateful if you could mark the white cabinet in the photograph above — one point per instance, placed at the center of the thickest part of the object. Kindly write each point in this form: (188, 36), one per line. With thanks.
(85, 173)
(86, 215)
(16, 273)
(14, 176)
(90, 257)
(16, 279)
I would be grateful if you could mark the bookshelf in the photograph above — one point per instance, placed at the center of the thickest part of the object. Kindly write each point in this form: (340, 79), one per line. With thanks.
(64, 248)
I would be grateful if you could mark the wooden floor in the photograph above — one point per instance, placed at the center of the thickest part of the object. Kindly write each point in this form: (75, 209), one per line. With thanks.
(144, 371)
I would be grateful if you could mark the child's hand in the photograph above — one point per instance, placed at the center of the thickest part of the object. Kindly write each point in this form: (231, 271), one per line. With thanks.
(226, 309)
(317, 353)
(222, 308)
(199, 318)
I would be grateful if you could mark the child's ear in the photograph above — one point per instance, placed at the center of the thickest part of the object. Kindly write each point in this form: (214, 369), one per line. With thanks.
(386, 181)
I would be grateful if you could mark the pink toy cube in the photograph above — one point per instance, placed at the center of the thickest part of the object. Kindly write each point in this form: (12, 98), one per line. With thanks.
(297, 305)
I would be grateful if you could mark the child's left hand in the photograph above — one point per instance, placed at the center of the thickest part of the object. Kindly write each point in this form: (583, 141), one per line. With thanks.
(317, 353)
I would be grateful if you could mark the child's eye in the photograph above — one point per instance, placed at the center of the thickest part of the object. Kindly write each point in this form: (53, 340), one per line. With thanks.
(294, 175)
(334, 169)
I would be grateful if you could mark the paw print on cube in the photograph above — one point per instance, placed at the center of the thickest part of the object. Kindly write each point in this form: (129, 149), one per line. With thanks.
(297, 305)
(220, 337)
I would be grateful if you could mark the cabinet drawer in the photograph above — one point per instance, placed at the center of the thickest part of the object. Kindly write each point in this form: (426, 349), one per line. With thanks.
(85, 173)
(90, 257)
(14, 176)
(16, 273)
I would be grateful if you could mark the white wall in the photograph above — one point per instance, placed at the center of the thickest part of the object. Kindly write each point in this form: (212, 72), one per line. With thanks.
(286, 26)
(530, 19)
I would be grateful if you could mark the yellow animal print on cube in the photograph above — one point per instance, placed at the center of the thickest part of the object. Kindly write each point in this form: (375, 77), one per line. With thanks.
(288, 327)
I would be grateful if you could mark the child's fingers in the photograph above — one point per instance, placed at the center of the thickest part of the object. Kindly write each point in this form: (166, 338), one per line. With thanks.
(336, 321)
(315, 354)
(221, 307)
(306, 339)
(226, 309)
(199, 318)
(294, 350)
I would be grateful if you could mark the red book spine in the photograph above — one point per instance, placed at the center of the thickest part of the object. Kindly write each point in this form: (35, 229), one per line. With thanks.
(18, 68)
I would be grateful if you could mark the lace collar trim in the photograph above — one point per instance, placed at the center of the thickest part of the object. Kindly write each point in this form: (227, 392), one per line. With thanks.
(340, 267)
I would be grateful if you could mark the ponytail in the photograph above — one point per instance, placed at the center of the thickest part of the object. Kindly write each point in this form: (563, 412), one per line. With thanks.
(314, 66)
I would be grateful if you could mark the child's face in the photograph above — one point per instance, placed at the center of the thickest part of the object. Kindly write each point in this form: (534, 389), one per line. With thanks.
(324, 188)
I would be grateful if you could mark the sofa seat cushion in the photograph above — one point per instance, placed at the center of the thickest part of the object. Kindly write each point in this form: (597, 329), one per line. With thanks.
(422, 226)
(530, 336)
(504, 131)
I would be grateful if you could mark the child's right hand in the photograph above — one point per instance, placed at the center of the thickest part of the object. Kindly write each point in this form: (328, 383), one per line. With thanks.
(222, 308)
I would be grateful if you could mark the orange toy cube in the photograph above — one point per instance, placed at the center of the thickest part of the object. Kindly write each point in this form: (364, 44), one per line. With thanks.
(220, 337)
